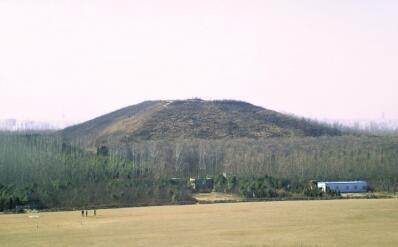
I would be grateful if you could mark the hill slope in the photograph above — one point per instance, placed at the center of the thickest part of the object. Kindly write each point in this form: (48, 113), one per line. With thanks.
(159, 120)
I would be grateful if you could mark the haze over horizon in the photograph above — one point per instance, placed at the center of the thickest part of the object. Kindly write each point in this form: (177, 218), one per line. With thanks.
(73, 61)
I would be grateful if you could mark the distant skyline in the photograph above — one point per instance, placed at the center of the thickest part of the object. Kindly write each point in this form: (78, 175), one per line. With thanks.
(75, 60)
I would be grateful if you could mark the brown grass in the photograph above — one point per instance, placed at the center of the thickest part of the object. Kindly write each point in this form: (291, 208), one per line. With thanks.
(216, 197)
(293, 223)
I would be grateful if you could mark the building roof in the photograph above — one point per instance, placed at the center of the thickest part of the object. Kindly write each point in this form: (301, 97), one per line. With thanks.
(342, 182)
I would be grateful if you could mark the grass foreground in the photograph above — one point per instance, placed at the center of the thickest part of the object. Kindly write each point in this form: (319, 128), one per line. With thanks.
(359, 222)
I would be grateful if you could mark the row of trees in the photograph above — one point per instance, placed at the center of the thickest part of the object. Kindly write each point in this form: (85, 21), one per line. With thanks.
(52, 174)
(44, 169)
(298, 159)
(269, 187)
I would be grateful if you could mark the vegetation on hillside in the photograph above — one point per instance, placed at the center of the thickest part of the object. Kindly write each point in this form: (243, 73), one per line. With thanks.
(129, 156)
(191, 119)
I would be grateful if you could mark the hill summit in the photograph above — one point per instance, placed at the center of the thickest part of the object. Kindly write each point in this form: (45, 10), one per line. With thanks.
(192, 119)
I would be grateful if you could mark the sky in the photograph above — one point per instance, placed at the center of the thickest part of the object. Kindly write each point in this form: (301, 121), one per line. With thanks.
(75, 60)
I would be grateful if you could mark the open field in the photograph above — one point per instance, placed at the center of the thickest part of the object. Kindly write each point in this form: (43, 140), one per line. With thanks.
(356, 222)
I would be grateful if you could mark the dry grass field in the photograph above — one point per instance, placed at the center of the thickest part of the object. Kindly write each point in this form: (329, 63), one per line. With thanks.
(358, 222)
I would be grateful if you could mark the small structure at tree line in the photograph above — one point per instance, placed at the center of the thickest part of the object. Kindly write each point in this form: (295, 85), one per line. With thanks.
(344, 186)
(202, 185)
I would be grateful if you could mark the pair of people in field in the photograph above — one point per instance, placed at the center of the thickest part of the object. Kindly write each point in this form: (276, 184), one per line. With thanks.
(86, 212)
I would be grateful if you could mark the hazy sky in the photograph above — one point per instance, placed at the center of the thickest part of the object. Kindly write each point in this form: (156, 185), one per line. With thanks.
(79, 59)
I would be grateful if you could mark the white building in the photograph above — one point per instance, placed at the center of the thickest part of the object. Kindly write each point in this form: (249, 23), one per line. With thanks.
(345, 186)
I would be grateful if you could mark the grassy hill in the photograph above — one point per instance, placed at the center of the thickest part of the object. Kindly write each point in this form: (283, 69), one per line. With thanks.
(192, 119)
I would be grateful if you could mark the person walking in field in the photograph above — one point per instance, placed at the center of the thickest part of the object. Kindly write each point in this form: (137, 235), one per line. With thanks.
(82, 213)
(86, 213)
(95, 212)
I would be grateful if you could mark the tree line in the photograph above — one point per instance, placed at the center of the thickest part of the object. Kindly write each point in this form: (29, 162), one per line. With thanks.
(371, 158)
(44, 169)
